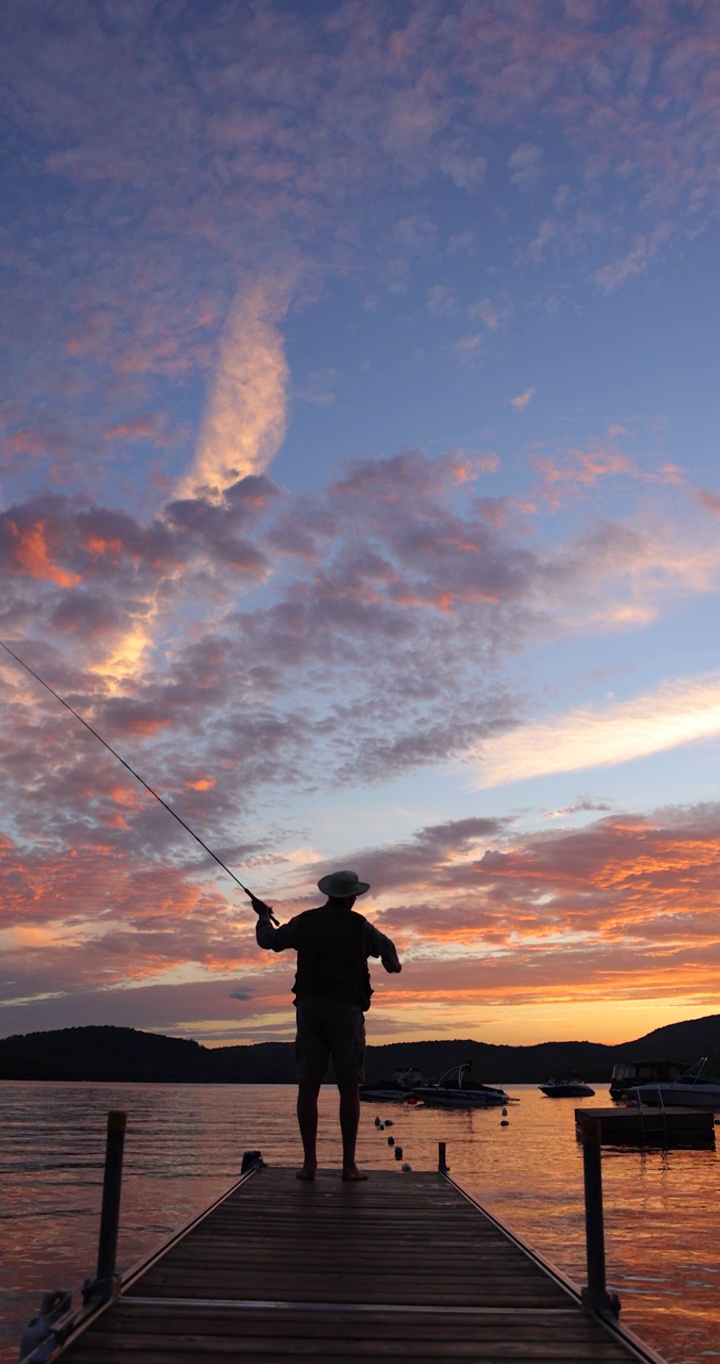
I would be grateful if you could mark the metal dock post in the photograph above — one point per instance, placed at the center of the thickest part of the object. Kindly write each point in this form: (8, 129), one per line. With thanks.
(595, 1295)
(105, 1284)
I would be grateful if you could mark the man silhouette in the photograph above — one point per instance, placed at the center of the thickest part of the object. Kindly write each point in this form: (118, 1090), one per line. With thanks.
(332, 993)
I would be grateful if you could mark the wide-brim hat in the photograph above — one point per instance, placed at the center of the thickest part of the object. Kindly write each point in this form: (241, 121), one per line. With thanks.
(340, 884)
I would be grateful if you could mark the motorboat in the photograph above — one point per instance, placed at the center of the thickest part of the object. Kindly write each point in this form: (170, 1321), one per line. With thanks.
(629, 1075)
(569, 1088)
(398, 1088)
(694, 1089)
(457, 1088)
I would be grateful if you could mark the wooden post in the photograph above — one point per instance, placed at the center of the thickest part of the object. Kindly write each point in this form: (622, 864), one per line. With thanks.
(443, 1166)
(595, 1296)
(110, 1214)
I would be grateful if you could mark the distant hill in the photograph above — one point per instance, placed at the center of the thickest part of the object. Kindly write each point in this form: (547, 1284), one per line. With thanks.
(125, 1054)
(103, 1053)
(696, 1037)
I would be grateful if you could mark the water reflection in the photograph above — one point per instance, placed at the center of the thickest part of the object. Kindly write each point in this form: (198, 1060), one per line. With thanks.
(184, 1146)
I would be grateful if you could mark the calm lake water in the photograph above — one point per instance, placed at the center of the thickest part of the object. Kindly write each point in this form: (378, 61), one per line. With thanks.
(184, 1145)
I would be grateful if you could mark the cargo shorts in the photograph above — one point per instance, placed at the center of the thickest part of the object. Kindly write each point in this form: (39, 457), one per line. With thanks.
(325, 1028)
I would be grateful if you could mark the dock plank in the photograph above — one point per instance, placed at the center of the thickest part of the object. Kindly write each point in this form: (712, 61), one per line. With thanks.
(400, 1267)
(130, 1334)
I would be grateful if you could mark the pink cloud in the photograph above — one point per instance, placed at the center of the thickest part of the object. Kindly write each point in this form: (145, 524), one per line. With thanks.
(709, 500)
(147, 426)
(566, 474)
(635, 262)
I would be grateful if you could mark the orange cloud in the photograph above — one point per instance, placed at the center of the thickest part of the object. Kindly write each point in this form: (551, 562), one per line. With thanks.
(97, 547)
(522, 399)
(30, 554)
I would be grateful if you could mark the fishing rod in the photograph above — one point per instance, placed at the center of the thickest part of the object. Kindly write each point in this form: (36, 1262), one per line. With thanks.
(257, 904)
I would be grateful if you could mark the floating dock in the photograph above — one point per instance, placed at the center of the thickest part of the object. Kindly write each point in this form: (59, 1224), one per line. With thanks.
(664, 1127)
(402, 1266)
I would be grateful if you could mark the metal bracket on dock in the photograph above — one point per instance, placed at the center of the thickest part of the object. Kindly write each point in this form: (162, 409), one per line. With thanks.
(250, 1161)
(100, 1290)
(600, 1304)
(43, 1333)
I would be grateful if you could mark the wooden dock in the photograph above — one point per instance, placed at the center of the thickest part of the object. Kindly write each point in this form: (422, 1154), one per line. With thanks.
(404, 1266)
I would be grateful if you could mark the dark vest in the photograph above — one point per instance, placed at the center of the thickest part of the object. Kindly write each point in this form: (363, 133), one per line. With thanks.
(331, 960)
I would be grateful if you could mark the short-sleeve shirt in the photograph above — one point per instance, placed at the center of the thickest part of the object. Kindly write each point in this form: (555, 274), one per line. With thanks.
(333, 946)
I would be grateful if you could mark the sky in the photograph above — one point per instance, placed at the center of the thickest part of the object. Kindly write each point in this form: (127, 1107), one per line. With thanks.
(359, 484)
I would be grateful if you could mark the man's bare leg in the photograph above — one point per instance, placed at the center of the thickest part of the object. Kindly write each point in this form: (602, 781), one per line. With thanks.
(349, 1123)
(307, 1115)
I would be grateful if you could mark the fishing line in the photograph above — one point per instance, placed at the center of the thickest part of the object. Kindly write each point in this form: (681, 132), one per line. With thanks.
(132, 771)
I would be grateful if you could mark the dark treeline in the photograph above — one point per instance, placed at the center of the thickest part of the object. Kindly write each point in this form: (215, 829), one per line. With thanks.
(125, 1054)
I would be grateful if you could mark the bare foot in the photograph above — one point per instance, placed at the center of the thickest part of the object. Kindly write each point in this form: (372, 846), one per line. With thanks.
(352, 1175)
(307, 1174)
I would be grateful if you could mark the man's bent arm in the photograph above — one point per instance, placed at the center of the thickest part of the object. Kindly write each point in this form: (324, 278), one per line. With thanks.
(384, 948)
(275, 939)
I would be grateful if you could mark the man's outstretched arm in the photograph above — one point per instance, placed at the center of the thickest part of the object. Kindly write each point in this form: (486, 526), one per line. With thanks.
(385, 949)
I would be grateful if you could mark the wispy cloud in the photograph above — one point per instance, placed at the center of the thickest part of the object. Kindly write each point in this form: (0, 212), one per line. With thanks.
(493, 313)
(467, 347)
(244, 421)
(635, 261)
(679, 712)
(582, 806)
(709, 500)
(521, 401)
(526, 165)
(242, 428)
(441, 301)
